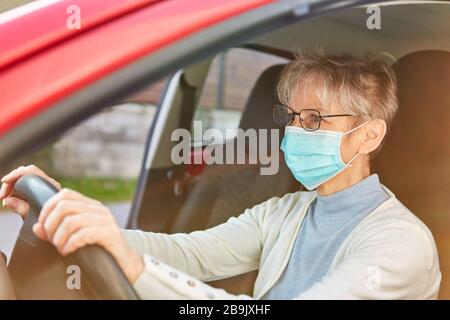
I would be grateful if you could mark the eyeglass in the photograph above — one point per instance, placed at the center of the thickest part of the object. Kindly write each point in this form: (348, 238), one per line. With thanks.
(310, 119)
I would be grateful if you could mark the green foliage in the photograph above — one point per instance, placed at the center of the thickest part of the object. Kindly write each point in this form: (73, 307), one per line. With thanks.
(105, 190)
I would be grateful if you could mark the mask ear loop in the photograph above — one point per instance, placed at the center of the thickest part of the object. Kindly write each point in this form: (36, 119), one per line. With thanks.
(355, 128)
(349, 164)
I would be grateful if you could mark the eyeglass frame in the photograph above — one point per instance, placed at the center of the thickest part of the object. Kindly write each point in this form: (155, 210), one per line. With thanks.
(307, 109)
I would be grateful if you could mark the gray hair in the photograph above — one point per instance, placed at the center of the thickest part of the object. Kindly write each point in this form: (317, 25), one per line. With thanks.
(365, 87)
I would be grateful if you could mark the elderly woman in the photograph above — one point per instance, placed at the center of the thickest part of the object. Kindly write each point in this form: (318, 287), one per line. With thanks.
(348, 237)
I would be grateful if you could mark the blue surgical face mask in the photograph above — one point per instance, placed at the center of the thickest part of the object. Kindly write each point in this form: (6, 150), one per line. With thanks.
(314, 157)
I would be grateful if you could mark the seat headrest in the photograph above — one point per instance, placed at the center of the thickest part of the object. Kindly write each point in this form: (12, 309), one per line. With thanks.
(258, 109)
(416, 155)
(415, 161)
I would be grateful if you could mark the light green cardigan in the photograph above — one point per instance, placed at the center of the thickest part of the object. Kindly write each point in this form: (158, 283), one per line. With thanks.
(391, 254)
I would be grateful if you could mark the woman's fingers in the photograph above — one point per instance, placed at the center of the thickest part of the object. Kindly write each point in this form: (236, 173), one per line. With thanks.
(6, 190)
(74, 223)
(65, 208)
(17, 205)
(10, 179)
(39, 231)
(63, 195)
(87, 236)
(21, 171)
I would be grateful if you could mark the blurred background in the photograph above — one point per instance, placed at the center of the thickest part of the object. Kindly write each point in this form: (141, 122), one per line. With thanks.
(9, 4)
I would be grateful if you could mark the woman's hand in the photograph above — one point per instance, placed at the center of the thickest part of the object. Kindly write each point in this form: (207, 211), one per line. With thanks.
(15, 204)
(70, 221)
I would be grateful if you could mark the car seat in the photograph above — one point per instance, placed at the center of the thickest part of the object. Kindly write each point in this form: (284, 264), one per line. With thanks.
(415, 160)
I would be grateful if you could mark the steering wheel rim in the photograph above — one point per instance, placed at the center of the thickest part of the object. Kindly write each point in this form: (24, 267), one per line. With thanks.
(99, 270)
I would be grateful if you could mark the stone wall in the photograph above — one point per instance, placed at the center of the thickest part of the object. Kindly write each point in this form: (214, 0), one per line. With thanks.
(108, 145)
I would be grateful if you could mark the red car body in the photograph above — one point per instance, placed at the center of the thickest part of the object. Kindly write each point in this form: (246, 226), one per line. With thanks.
(42, 61)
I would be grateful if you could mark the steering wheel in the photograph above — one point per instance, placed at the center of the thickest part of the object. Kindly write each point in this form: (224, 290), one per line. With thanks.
(100, 272)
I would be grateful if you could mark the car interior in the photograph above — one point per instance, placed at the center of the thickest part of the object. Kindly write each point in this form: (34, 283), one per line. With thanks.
(414, 162)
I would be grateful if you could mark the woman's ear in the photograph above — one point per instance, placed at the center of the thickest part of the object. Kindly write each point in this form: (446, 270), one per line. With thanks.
(374, 134)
